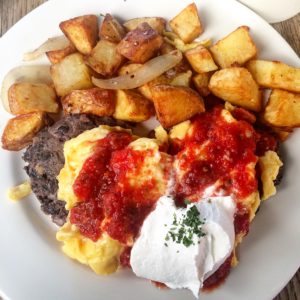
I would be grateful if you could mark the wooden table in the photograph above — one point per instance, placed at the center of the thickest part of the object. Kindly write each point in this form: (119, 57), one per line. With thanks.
(12, 10)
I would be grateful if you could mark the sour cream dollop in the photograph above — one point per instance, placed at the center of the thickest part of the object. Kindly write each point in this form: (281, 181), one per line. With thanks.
(158, 258)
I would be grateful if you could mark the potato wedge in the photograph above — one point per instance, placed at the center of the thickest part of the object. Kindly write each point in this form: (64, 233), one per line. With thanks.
(275, 74)
(200, 59)
(187, 24)
(140, 44)
(70, 74)
(174, 104)
(26, 98)
(128, 68)
(132, 107)
(283, 109)
(201, 82)
(104, 58)
(111, 29)
(93, 101)
(19, 131)
(236, 86)
(235, 49)
(158, 24)
(56, 56)
(82, 32)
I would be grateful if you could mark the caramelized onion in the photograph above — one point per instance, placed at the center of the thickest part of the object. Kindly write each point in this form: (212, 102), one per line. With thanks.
(147, 72)
(55, 43)
(31, 74)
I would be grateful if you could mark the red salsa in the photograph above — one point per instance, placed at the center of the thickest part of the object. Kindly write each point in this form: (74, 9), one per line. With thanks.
(110, 202)
(106, 194)
(228, 150)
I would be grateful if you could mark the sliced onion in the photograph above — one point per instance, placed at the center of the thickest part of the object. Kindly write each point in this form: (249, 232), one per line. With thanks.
(55, 43)
(150, 70)
(31, 74)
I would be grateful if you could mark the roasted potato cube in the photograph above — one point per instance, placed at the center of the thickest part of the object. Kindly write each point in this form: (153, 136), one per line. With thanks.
(26, 98)
(201, 82)
(132, 107)
(140, 44)
(234, 49)
(158, 24)
(82, 32)
(201, 59)
(275, 74)
(182, 79)
(20, 130)
(283, 109)
(282, 134)
(145, 89)
(187, 24)
(175, 104)
(93, 101)
(71, 74)
(111, 29)
(236, 86)
(104, 58)
(126, 69)
(56, 56)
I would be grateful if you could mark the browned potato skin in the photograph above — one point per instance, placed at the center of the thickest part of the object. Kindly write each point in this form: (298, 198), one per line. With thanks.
(93, 101)
(201, 82)
(111, 29)
(19, 131)
(236, 86)
(140, 44)
(104, 58)
(275, 74)
(26, 98)
(283, 109)
(157, 23)
(282, 134)
(56, 56)
(82, 32)
(234, 49)
(70, 74)
(132, 106)
(174, 104)
(187, 24)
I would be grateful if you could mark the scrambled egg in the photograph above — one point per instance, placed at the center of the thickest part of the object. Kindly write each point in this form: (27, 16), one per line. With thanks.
(102, 256)
(155, 166)
(20, 191)
(76, 151)
(269, 164)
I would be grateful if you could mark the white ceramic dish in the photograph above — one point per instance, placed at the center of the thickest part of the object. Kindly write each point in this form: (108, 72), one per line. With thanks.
(274, 10)
(32, 266)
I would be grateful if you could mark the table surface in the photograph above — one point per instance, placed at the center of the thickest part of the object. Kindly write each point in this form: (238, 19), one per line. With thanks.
(12, 10)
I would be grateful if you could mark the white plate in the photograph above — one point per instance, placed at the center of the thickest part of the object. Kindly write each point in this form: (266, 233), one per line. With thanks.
(32, 266)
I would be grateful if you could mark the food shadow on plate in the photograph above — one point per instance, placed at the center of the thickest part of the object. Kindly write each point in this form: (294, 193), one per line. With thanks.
(41, 224)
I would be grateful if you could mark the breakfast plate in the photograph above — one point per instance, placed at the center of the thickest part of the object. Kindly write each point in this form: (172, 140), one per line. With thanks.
(31, 263)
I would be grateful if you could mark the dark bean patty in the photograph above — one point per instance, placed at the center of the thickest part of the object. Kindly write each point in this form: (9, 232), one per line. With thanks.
(44, 158)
